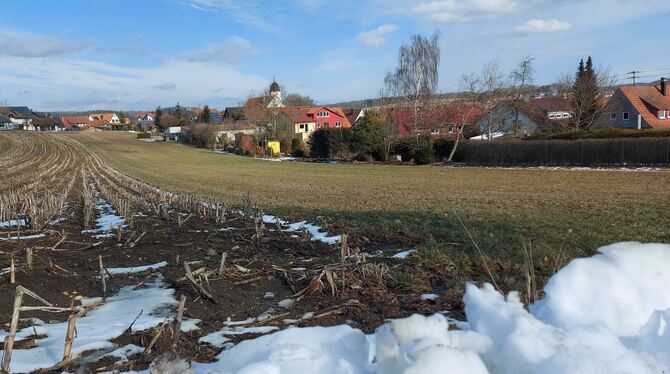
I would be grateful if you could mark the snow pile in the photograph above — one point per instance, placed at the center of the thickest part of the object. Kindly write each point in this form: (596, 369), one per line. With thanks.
(604, 314)
(313, 230)
(96, 328)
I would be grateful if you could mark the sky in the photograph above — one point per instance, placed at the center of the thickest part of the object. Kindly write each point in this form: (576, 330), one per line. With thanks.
(136, 55)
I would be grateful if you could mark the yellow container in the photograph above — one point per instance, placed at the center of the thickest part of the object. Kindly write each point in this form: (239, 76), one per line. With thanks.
(274, 148)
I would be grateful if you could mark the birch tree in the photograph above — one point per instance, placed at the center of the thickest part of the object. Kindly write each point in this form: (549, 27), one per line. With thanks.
(415, 78)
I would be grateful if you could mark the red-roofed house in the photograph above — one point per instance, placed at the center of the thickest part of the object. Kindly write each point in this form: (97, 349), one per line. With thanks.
(75, 122)
(442, 121)
(111, 118)
(308, 119)
(638, 107)
(558, 108)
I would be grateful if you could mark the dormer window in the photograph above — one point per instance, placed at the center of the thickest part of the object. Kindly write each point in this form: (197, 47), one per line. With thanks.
(661, 114)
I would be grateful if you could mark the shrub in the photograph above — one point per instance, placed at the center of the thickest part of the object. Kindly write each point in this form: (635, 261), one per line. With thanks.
(143, 135)
(443, 147)
(299, 148)
(330, 143)
(420, 150)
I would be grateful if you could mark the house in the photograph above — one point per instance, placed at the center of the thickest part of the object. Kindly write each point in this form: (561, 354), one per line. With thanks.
(353, 115)
(329, 117)
(228, 131)
(74, 123)
(7, 124)
(437, 122)
(272, 100)
(303, 122)
(234, 115)
(21, 117)
(47, 124)
(99, 124)
(215, 115)
(502, 120)
(111, 118)
(173, 133)
(638, 107)
(557, 108)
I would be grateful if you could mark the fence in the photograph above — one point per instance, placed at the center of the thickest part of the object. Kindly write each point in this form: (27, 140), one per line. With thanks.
(586, 152)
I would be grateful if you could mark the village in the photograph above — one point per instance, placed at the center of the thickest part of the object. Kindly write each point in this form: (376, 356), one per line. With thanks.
(274, 124)
(331, 187)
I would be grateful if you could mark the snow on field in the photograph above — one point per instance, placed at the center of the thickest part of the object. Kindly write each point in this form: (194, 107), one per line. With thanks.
(313, 230)
(24, 237)
(404, 254)
(13, 223)
(96, 328)
(604, 314)
(137, 269)
(107, 220)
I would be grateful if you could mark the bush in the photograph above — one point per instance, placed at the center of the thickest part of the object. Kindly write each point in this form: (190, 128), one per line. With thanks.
(330, 143)
(443, 147)
(299, 148)
(420, 150)
(143, 135)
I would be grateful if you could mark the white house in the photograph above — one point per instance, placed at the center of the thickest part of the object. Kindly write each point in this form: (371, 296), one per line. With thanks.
(112, 118)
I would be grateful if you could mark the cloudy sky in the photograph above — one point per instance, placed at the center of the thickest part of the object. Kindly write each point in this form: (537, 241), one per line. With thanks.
(128, 54)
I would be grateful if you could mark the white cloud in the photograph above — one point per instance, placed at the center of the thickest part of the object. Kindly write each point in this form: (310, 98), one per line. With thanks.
(375, 38)
(539, 26)
(449, 11)
(247, 12)
(57, 83)
(21, 44)
(232, 51)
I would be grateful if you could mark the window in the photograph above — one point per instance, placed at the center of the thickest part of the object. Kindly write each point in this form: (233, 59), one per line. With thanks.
(661, 114)
(326, 114)
(625, 116)
(303, 127)
(613, 116)
(450, 129)
(435, 131)
(338, 124)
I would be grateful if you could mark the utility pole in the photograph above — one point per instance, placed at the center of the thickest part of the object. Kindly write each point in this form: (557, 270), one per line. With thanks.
(633, 75)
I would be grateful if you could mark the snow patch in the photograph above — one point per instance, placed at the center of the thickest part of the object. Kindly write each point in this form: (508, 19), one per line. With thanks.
(314, 231)
(403, 255)
(137, 269)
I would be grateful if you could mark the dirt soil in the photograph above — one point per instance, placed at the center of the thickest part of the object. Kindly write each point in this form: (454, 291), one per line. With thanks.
(264, 265)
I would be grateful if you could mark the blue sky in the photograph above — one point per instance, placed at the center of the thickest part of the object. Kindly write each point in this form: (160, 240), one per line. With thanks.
(134, 55)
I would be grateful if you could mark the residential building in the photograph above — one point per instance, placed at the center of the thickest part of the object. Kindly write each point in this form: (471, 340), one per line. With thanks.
(437, 122)
(47, 124)
(558, 108)
(638, 107)
(304, 123)
(329, 117)
(228, 131)
(354, 114)
(20, 116)
(111, 118)
(173, 133)
(75, 122)
(7, 124)
(502, 120)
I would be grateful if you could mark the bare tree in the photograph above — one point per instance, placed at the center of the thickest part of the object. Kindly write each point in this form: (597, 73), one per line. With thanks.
(521, 80)
(467, 110)
(488, 87)
(415, 78)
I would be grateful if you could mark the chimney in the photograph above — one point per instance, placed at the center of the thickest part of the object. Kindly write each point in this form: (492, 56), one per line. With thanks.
(664, 90)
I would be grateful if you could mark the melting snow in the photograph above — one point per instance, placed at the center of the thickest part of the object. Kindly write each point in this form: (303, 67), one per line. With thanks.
(13, 223)
(313, 230)
(107, 221)
(137, 269)
(95, 329)
(403, 255)
(604, 314)
(26, 237)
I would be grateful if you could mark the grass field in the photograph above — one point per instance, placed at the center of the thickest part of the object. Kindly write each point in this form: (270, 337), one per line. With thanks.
(504, 209)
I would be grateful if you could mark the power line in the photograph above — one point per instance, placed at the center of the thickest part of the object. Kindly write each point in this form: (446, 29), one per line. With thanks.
(633, 75)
